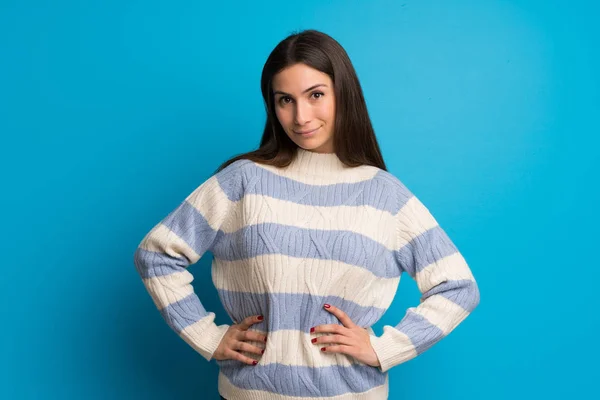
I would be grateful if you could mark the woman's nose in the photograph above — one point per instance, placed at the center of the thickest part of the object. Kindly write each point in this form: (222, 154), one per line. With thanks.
(302, 114)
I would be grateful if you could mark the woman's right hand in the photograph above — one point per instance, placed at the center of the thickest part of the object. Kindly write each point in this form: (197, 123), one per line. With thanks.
(234, 341)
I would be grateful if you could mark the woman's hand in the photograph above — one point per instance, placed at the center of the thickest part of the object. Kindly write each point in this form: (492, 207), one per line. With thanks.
(353, 339)
(233, 341)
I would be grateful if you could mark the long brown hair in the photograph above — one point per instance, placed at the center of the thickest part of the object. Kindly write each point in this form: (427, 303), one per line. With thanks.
(354, 139)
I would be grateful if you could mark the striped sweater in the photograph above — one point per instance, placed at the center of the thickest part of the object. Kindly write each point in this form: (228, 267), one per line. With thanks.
(284, 242)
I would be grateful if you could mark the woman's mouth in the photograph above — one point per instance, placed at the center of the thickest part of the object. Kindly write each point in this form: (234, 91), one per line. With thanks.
(307, 133)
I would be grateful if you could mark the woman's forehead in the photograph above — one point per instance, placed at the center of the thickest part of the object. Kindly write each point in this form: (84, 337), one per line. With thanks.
(299, 78)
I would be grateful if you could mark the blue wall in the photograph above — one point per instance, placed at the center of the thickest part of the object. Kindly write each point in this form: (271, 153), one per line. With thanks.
(112, 112)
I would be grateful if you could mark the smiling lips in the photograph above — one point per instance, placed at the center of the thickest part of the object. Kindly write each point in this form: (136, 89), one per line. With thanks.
(307, 132)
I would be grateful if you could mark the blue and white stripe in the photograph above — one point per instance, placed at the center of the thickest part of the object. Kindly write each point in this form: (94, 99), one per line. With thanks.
(284, 243)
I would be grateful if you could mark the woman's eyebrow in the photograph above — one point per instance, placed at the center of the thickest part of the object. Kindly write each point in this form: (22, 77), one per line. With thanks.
(307, 90)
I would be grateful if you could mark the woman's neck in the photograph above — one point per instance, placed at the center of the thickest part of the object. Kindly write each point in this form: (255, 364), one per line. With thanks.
(313, 163)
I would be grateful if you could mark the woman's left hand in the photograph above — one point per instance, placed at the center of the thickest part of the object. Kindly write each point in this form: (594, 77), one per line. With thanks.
(353, 339)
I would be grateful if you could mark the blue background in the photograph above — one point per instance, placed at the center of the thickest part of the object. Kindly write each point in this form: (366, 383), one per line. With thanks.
(111, 112)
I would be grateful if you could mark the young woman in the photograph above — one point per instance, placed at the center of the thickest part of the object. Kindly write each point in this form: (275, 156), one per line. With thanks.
(310, 236)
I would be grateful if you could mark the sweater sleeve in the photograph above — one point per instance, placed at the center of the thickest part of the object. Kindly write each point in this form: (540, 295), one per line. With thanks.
(179, 240)
(449, 292)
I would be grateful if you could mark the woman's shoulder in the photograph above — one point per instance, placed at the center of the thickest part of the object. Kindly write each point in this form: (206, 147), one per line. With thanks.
(393, 182)
(235, 167)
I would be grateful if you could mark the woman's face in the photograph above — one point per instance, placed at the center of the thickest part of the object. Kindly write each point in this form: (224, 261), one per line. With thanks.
(305, 107)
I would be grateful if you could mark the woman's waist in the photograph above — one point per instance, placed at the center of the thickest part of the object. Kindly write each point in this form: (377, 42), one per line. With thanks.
(295, 348)
(296, 312)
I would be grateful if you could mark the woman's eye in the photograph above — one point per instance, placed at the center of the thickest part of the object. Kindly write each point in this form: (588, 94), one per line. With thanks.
(283, 99)
(286, 99)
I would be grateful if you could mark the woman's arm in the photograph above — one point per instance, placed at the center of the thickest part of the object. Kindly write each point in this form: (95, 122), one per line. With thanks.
(179, 240)
(449, 290)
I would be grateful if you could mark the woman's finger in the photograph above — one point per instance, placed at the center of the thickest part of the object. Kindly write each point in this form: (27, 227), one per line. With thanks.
(328, 339)
(339, 348)
(249, 321)
(243, 346)
(342, 316)
(253, 336)
(330, 328)
(234, 355)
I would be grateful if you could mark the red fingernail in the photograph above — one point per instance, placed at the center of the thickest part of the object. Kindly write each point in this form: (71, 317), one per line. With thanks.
(312, 330)
(254, 362)
(314, 340)
(322, 348)
(260, 317)
(327, 306)
(265, 340)
(262, 352)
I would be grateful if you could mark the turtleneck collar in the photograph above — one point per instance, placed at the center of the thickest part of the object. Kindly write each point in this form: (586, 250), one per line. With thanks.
(313, 163)
(314, 168)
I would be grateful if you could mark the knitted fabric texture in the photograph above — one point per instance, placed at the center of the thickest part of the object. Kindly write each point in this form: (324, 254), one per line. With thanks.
(285, 241)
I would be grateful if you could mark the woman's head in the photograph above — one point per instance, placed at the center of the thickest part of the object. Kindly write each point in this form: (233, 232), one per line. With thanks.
(304, 104)
(293, 104)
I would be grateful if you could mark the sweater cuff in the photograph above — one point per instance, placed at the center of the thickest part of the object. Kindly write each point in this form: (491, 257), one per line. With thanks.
(205, 340)
(392, 348)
